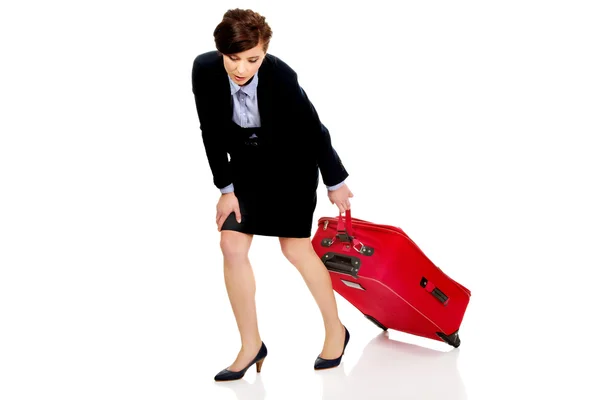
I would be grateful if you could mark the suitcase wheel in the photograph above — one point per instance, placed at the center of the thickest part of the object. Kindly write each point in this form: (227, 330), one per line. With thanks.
(379, 324)
(452, 340)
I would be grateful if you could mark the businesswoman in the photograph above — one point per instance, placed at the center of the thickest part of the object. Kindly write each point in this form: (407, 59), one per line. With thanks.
(265, 146)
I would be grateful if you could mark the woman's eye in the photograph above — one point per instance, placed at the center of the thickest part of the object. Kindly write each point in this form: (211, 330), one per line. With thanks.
(253, 61)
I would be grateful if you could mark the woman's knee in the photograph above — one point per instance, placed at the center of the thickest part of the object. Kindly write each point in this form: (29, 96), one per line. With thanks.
(295, 250)
(235, 245)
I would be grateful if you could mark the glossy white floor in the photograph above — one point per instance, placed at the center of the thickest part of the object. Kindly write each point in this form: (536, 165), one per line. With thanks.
(468, 124)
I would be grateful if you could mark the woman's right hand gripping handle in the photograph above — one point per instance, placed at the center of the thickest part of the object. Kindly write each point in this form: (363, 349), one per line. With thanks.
(227, 204)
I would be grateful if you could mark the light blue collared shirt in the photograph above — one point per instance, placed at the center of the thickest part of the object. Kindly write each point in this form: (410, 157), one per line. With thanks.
(245, 103)
(246, 115)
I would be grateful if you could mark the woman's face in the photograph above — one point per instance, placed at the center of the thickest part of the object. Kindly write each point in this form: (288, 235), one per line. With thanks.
(242, 66)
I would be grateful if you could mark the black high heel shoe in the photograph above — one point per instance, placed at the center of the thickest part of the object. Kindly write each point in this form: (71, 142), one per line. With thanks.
(227, 375)
(323, 363)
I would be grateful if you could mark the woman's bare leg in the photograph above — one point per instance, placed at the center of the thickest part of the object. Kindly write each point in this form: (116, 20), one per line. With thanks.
(302, 255)
(241, 289)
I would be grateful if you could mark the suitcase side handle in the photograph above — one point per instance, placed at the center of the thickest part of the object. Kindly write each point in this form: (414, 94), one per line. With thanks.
(341, 263)
(434, 290)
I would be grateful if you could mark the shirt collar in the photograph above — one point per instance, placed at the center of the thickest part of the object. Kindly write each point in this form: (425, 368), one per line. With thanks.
(249, 89)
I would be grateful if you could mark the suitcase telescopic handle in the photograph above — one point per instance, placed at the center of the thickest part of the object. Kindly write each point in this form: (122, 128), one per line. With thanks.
(341, 263)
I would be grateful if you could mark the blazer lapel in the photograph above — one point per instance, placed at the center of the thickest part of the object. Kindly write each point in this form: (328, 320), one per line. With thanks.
(264, 91)
(225, 99)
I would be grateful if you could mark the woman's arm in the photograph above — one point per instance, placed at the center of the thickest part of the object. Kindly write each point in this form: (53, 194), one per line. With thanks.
(330, 163)
(211, 136)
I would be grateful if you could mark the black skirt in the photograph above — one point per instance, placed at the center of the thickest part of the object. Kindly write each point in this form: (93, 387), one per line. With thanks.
(275, 183)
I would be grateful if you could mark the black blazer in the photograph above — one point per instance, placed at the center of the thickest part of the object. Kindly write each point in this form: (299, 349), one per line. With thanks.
(287, 116)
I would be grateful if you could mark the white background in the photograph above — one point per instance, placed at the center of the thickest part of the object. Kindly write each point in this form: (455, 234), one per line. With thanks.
(470, 124)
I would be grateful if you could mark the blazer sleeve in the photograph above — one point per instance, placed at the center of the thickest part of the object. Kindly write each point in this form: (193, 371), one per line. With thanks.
(212, 136)
(329, 162)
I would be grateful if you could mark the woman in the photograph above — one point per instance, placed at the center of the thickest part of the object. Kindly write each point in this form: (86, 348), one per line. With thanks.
(251, 107)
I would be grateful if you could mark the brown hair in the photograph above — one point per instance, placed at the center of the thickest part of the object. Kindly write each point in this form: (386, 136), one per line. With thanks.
(241, 30)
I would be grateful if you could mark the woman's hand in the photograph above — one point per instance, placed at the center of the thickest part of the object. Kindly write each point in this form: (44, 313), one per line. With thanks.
(340, 197)
(227, 204)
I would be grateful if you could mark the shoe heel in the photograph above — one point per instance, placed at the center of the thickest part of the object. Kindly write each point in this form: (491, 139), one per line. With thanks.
(259, 365)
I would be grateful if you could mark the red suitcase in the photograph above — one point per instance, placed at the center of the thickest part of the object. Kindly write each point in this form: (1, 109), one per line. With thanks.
(386, 276)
